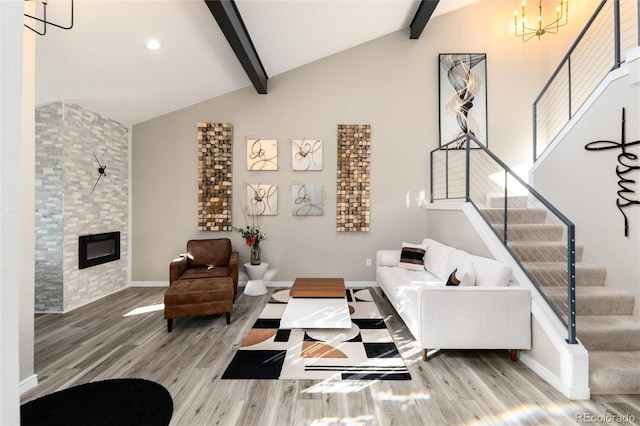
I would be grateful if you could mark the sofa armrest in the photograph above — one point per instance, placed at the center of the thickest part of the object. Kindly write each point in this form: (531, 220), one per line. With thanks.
(387, 258)
(476, 318)
(177, 268)
(233, 270)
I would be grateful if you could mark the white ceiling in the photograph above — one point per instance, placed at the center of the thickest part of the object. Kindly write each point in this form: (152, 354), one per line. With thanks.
(103, 65)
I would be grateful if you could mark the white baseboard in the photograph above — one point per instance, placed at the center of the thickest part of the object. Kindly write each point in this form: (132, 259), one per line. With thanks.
(28, 383)
(544, 373)
(148, 283)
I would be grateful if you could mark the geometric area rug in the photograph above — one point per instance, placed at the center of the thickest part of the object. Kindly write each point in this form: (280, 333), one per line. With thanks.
(366, 351)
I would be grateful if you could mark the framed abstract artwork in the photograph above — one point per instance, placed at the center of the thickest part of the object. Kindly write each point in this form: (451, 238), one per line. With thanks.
(262, 200)
(307, 199)
(262, 154)
(463, 97)
(306, 154)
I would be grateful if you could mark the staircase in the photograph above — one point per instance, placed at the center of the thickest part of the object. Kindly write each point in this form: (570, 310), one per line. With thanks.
(604, 321)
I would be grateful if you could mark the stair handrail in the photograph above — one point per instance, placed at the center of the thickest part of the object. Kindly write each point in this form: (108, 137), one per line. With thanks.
(570, 324)
(566, 61)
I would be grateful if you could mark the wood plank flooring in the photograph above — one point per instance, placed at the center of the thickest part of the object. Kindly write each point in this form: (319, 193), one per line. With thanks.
(114, 337)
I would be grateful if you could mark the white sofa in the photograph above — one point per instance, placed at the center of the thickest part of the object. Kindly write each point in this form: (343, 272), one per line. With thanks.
(483, 312)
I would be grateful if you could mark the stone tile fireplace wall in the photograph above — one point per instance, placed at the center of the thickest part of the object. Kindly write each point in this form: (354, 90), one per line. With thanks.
(67, 137)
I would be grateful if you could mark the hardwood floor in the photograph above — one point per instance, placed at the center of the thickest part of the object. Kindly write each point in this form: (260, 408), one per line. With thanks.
(115, 337)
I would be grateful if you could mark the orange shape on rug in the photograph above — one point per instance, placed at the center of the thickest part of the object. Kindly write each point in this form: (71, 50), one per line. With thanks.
(258, 335)
(320, 350)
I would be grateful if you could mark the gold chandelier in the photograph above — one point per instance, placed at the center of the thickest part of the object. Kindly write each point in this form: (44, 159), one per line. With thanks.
(522, 30)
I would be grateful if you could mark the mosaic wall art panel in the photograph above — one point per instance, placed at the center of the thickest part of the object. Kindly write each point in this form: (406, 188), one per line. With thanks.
(214, 176)
(262, 200)
(306, 154)
(354, 167)
(262, 154)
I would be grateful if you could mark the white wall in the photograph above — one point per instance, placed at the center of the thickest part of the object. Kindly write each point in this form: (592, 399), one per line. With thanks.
(27, 211)
(588, 193)
(390, 83)
(10, 126)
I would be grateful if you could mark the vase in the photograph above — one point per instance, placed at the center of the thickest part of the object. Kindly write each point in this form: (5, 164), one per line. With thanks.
(255, 254)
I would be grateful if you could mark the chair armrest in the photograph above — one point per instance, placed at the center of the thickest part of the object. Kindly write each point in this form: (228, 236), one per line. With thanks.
(233, 270)
(177, 268)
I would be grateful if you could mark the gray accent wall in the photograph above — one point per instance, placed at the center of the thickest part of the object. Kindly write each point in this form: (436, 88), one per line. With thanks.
(390, 83)
(67, 137)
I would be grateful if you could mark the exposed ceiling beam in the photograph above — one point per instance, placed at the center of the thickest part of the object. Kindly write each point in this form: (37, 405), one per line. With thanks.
(421, 17)
(228, 17)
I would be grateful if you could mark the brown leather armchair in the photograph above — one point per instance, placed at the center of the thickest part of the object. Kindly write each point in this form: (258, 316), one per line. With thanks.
(202, 281)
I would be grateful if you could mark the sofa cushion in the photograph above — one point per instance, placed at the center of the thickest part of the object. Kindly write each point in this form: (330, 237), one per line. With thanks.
(412, 256)
(195, 291)
(205, 272)
(436, 259)
(466, 274)
(416, 278)
(460, 262)
(490, 272)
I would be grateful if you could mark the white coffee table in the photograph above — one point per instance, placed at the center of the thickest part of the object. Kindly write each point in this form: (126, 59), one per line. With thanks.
(255, 286)
(306, 310)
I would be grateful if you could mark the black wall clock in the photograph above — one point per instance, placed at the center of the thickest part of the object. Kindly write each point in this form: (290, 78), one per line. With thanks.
(101, 171)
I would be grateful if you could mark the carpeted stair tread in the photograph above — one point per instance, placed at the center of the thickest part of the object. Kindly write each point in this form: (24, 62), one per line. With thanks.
(614, 372)
(609, 332)
(604, 322)
(543, 251)
(595, 300)
(531, 231)
(554, 274)
(516, 215)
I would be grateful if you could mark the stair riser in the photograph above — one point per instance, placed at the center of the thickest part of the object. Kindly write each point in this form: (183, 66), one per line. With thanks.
(531, 233)
(614, 373)
(625, 384)
(610, 340)
(497, 201)
(518, 216)
(544, 254)
(591, 306)
(558, 278)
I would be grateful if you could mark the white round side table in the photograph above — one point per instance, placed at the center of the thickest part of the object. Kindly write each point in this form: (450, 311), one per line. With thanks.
(255, 286)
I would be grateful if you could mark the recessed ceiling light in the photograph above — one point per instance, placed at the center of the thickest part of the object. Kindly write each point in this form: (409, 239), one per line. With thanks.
(153, 44)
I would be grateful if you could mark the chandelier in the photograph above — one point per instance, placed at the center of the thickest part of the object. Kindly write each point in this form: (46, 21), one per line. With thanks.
(44, 21)
(522, 30)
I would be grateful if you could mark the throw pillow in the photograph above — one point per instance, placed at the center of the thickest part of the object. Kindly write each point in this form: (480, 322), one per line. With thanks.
(412, 256)
(461, 263)
(465, 273)
(452, 279)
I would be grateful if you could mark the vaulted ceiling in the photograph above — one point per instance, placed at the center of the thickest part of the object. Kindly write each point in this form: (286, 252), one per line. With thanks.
(103, 65)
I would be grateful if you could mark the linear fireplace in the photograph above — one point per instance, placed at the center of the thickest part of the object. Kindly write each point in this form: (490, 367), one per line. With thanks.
(98, 248)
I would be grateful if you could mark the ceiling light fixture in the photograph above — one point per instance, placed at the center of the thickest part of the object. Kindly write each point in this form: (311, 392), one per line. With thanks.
(44, 21)
(153, 44)
(562, 18)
